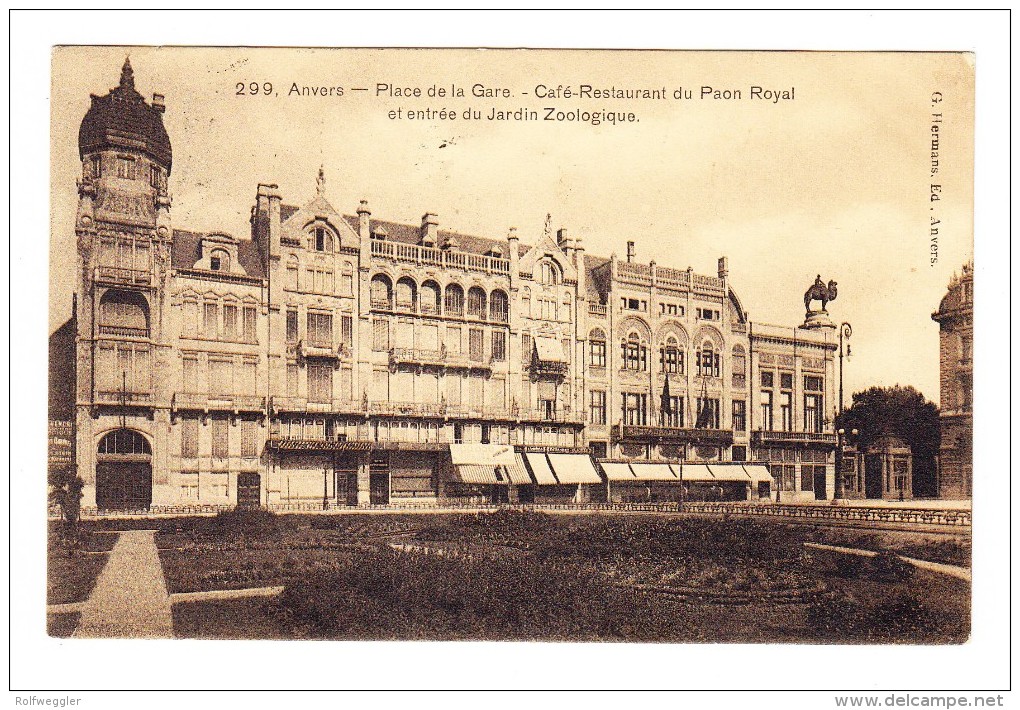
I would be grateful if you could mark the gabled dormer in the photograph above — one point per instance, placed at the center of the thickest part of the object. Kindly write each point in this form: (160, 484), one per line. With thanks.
(547, 262)
(317, 226)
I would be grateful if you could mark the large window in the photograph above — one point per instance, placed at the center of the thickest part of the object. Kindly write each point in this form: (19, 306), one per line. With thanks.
(189, 438)
(230, 322)
(549, 273)
(739, 415)
(320, 383)
(708, 412)
(597, 348)
(292, 325)
(709, 361)
(786, 410)
(813, 400)
(499, 307)
(766, 409)
(123, 314)
(671, 358)
(476, 344)
(635, 409)
(381, 292)
(476, 303)
(453, 303)
(220, 438)
(597, 407)
(429, 299)
(321, 239)
(320, 329)
(249, 439)
(498, 346)
(635, 353)
(671, 411)
(380, 335)
(407, 293)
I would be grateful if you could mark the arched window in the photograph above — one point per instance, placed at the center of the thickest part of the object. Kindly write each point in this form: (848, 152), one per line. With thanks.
(123, 314)
(320, 239)
(454, 302)
(671, 357)
(407, 292)
(429, 299)
(635, 353)
(476, 302)
(549, 273)
(293, 267)
(124, 441)
(219, 260)
(597, 348)
(499, 307)
(381, 295)
(526, 302)
(709, 361)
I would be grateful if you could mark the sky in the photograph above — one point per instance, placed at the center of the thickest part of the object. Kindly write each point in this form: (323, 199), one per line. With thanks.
(833, 182)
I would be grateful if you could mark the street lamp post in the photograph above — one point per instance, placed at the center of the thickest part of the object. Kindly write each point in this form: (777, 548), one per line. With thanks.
(845, 331)
(840, 443)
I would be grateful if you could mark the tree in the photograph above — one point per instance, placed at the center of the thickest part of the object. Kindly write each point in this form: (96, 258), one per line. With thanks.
(903, 412)
(66, 491)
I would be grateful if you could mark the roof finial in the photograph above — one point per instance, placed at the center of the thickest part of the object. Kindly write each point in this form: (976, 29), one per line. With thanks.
(320, 182)
(548, 224)
(127, 75)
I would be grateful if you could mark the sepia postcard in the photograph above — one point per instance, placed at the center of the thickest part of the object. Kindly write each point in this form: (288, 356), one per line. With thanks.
(511, 345)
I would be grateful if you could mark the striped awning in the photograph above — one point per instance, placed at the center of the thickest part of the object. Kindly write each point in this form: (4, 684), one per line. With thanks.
(653, 472)
(574, 468)
(696, 472)
(549, 349)
(518, 473)
(481, 475)
(730, 473)
(540, 467)
(759, 474)
(617, 471)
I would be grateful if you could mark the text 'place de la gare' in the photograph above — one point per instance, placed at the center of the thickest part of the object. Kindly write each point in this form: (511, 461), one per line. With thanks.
(333, 359)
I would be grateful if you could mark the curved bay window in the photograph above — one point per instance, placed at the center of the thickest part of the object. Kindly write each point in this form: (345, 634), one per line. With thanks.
(635, 353)
(499, 307)
(123, 314)
(671, 357)
(709, 361)
(381, 295)
(597, 348)
(453, 303)
(407, 293)
(429, 298)
(476, 302)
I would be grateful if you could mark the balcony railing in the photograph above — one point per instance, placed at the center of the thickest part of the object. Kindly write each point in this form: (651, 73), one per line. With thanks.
(633, 432)
(563, 415)
(383, 304)
(118, 275)
(206, 402)
(122, 332)
(122, 397)
(430, 256)
(321, 349)
(796, 437)
(543, 367)
(597, 309)
(436, 358)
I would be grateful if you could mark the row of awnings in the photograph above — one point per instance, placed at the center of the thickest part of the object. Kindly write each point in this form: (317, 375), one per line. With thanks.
(500, 465)
(495, 464)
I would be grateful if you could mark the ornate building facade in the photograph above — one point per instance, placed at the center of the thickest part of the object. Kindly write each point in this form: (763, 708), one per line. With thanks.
(955, 317)
(334, 359)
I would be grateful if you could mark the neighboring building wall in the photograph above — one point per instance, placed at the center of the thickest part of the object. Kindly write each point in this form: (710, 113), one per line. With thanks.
(955, 317)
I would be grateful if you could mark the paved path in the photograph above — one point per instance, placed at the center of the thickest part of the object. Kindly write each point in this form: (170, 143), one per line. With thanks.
(130, 599)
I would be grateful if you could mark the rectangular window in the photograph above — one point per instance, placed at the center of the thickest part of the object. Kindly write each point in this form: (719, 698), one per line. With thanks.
(126, 168)
(708, 412)
(476, 345)
(670, 358)
(499, 346)
(739, 453)
(154, 176)
(320, 329)
(766, 409)
(786, 380)
(230, 322)
(190, 382)
(671, 412)
(189, 438)
(320, 383)
(453, 340)
(211, 322)
(767, 378)
(347, 331)
(220, 371)
(250, 335)
(812, 383)
(813, 413)
(526, 349)
(380, 335)
(249, 439)
(292, 326)
(292, 379)
(635, 409)
(597, 348)
(220, 438)
(739, 415)
(597, 407)
(786, 410)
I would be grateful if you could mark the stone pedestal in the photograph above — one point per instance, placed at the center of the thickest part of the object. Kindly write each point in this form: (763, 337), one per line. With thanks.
(818, 320)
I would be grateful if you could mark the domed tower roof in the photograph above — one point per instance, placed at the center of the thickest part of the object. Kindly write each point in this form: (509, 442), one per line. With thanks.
(122, 119)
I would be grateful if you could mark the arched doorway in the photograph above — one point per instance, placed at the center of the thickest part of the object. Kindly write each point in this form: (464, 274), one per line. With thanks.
(123, 471)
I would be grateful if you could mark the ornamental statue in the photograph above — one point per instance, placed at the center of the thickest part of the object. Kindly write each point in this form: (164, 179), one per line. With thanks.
(819, 292)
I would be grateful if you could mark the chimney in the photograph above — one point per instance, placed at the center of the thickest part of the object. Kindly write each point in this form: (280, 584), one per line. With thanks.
(561, 237)
(724, 267)
(159, 103)
(513, 243)
(429, 229)
(630, 252)
(363, 225)
(267, 218)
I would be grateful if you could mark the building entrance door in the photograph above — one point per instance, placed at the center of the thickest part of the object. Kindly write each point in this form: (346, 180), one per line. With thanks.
(346, 484)
(819, 482)
(872, 476)
(123, 485)
(249, 493)
(379, 480)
